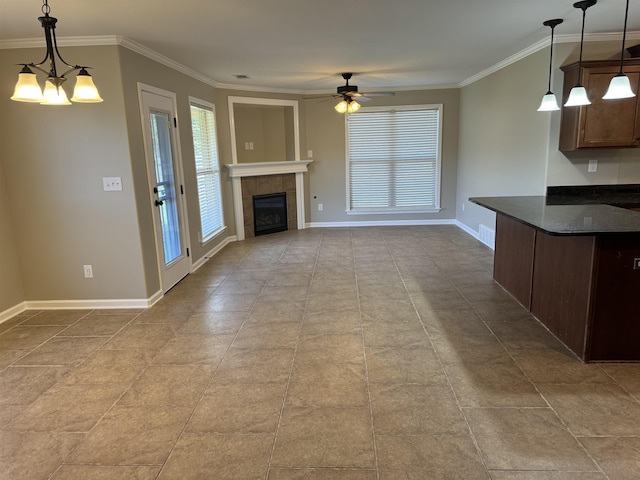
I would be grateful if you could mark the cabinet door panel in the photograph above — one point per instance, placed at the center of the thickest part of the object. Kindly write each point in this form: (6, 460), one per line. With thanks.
(608, 123)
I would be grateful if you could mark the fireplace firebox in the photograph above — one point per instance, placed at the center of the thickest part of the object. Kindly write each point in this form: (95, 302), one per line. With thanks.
(270, 213)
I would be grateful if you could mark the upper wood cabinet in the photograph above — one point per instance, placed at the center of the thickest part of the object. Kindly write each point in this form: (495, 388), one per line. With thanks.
(604, 123)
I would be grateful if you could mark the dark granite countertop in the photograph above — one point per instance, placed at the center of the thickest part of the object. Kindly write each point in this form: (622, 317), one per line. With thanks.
(568, 214)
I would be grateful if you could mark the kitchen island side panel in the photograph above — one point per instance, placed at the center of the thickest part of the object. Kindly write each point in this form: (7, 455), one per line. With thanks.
(513, 258)
(563, 278)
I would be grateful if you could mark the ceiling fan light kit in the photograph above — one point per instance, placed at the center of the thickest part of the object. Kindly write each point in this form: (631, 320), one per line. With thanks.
(28, 90)
(348, 93)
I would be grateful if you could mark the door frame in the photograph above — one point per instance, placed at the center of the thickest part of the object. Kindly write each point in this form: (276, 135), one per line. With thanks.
(179, 173)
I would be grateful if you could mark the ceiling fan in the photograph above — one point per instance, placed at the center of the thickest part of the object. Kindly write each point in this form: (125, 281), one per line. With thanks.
(349, 93)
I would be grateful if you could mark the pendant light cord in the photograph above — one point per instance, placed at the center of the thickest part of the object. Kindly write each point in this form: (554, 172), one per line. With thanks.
(551, 58)
(624, 36)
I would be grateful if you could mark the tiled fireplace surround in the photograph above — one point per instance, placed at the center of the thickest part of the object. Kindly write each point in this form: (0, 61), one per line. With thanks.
(251, 179)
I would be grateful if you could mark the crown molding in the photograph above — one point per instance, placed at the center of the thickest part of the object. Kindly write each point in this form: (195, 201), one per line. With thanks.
(570, 38)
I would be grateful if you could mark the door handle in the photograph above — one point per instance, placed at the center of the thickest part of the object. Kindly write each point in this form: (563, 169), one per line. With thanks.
(159, 202)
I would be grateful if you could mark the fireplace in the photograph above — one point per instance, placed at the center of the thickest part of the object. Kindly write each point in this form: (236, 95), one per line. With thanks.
(269, 213)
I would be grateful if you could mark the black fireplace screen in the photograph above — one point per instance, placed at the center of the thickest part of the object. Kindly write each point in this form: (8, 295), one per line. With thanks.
(270, 213)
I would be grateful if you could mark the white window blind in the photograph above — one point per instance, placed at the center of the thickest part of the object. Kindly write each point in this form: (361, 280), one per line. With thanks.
(394, 159)
(205, 144)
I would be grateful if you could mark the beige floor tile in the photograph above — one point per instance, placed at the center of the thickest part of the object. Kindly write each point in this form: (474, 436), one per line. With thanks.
(539, 475)
(27, 337)
(110, 367)
(330, 349)
(7, 357)
(453, 322)
(67, 408)
(392, 365)
(595, 409)
(321, 474)
(56, 317)
(130, 435)
(22, 385)
(429, 457)
(93, 325)
(332, 323)
(439, 300)
(327, 385)
(228, 303)
(526, 439)
(399, 335)
(559, 366)
(416, 410)
(470, 349)
(237, 457)
(324, 437)
(34, 455)
(141, 336)
(63, 351)
(194, 349)
(341, 301)
(13, 322)
(238, 408)
(522, 335)
(264, 365)
(265, 335)
(169, 385)
(388, 312)
(627, 375)
(619, 457)
(95, 472)
(216, 323)
(494, 385)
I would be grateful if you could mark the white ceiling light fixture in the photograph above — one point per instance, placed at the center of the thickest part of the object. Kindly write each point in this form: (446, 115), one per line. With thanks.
(28, 90)
(549, 102)
(620, 87)
(578, 94)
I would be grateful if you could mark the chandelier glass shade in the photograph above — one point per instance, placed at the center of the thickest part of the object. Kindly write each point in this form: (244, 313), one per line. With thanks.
(28, 89)
(346, 105)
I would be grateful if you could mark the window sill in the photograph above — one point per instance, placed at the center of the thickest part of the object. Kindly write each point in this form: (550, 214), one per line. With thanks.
(392, 212)
(212, 235)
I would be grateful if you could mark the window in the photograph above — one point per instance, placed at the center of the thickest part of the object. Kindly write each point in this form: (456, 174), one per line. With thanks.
(205, 145)
(393, 159)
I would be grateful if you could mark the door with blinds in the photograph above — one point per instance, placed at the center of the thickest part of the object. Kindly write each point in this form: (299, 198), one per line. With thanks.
(158, 110)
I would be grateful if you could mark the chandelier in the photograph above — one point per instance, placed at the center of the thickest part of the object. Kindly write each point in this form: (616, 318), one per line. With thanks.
(28, 89)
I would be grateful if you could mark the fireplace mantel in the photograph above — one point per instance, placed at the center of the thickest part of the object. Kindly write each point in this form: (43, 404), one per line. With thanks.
(266, 168)
(239, 170)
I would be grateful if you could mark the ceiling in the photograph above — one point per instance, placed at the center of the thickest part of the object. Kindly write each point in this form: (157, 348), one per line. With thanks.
(303, 45)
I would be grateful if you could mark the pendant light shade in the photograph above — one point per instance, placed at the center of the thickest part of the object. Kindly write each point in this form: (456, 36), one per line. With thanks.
(347, 106)
(549, 102)
(54, 95)
(578, 95)
(28, 90)
(620, 87)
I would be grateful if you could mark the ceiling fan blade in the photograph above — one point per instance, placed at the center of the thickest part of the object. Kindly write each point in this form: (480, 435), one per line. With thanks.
(377, 94)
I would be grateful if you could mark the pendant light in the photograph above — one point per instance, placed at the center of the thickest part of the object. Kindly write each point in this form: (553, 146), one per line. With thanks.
(549, 102)
(578, 95)
(28, 90)
(620, 86)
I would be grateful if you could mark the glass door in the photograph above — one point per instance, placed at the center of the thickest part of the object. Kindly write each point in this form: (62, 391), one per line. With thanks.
(167, 193)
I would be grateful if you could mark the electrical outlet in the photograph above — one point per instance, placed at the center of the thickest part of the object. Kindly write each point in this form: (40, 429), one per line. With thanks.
(320, 207)
(636, 263)
(309, 154)
(593, 166)
(88, 271)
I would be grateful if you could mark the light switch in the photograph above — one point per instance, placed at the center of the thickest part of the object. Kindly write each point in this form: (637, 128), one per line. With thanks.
(112, 184)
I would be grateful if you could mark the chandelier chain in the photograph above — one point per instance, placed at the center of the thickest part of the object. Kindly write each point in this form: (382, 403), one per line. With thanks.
(46, 9)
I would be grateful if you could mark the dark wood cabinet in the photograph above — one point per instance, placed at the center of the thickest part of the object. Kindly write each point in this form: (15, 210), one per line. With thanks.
(604, 123)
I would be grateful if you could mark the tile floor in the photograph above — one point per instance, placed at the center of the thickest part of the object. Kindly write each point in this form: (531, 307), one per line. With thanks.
(324, 354)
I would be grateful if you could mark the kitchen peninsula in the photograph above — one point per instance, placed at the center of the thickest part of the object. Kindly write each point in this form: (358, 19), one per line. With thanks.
(572, 258)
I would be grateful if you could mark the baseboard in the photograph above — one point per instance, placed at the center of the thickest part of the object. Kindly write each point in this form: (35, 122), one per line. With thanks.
(475, 235)
(13, 311)
(207, 256)
(381, 223)
(105, 304)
